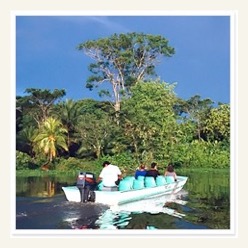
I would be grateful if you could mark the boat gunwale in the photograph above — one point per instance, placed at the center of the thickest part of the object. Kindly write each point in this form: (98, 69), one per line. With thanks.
(179, 179)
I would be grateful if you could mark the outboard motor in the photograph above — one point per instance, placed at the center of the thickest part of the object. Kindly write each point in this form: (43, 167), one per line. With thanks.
(86, 184)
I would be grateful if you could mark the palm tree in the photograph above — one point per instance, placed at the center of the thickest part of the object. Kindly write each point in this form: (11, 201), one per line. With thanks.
(68, 112)
(52, 135)
(24, 139)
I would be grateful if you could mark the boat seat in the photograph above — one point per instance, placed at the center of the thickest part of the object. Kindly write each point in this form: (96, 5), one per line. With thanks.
(150, 182)
(141, 178)
(169, 179)
(160, 180)
(125, 185)
(138, 184)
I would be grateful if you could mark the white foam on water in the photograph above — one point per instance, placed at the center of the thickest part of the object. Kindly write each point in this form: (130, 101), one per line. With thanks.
(119, 216)
(151, 205)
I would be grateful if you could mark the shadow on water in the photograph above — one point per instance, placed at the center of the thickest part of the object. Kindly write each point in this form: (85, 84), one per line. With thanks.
(204, 203)
(55, 213)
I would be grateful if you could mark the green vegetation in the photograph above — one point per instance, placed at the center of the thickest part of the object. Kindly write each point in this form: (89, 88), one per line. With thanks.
(145, 121)
(123, 60)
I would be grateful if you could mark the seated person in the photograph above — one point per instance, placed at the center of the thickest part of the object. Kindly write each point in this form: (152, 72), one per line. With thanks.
(141, 171)
(170, 172)
(110, 175)
(153, 172)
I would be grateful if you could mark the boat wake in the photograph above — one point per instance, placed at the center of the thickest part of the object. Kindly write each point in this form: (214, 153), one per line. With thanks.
(19, 215)
(158, 204)
(119, 216)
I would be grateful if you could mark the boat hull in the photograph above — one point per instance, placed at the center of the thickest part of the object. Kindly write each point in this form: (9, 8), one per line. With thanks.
(111, 198)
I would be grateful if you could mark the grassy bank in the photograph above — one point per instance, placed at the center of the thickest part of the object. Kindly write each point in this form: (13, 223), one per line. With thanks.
(181, 171)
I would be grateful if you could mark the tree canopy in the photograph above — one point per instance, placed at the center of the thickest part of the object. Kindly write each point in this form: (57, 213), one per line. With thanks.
(124, 59)
(154, 124)
(148, 122)
(39, 102)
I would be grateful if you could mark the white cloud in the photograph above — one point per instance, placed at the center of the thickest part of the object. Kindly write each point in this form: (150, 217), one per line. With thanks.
(108, 22)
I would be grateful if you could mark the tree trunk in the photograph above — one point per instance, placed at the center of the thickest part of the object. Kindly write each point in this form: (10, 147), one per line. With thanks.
(45, 167)
(117, 106)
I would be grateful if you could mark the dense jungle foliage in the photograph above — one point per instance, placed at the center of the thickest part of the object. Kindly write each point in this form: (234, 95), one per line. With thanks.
(153, 124)
(144, 121)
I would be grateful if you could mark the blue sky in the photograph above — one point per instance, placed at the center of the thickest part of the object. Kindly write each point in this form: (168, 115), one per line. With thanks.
(47, 58)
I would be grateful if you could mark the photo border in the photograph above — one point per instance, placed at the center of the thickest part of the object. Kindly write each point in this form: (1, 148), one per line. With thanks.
(234, 132)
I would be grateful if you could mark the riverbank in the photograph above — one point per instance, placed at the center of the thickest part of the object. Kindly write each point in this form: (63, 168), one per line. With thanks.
(179, 171)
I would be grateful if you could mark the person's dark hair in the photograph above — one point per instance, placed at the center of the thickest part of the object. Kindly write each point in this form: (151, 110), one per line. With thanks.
(170, 168)
(153, 165)
(105, 163)
(142, 167)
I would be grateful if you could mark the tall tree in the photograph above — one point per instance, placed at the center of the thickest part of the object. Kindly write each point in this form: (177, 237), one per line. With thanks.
(69, 112)
(51, 137)
(195, 110)
(149, 120)
(40, 102)
(217, 125)
(24, 139)
(94, 134)
(124, 59)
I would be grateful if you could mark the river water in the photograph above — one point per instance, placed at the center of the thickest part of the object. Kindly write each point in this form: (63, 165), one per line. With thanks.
(203, 204)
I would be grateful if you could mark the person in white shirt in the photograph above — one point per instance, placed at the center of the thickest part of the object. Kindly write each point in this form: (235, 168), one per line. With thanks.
(110, 175)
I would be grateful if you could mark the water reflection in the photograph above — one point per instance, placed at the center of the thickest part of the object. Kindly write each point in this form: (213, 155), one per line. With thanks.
(121, 217)
(204, 203)
(47, 186)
